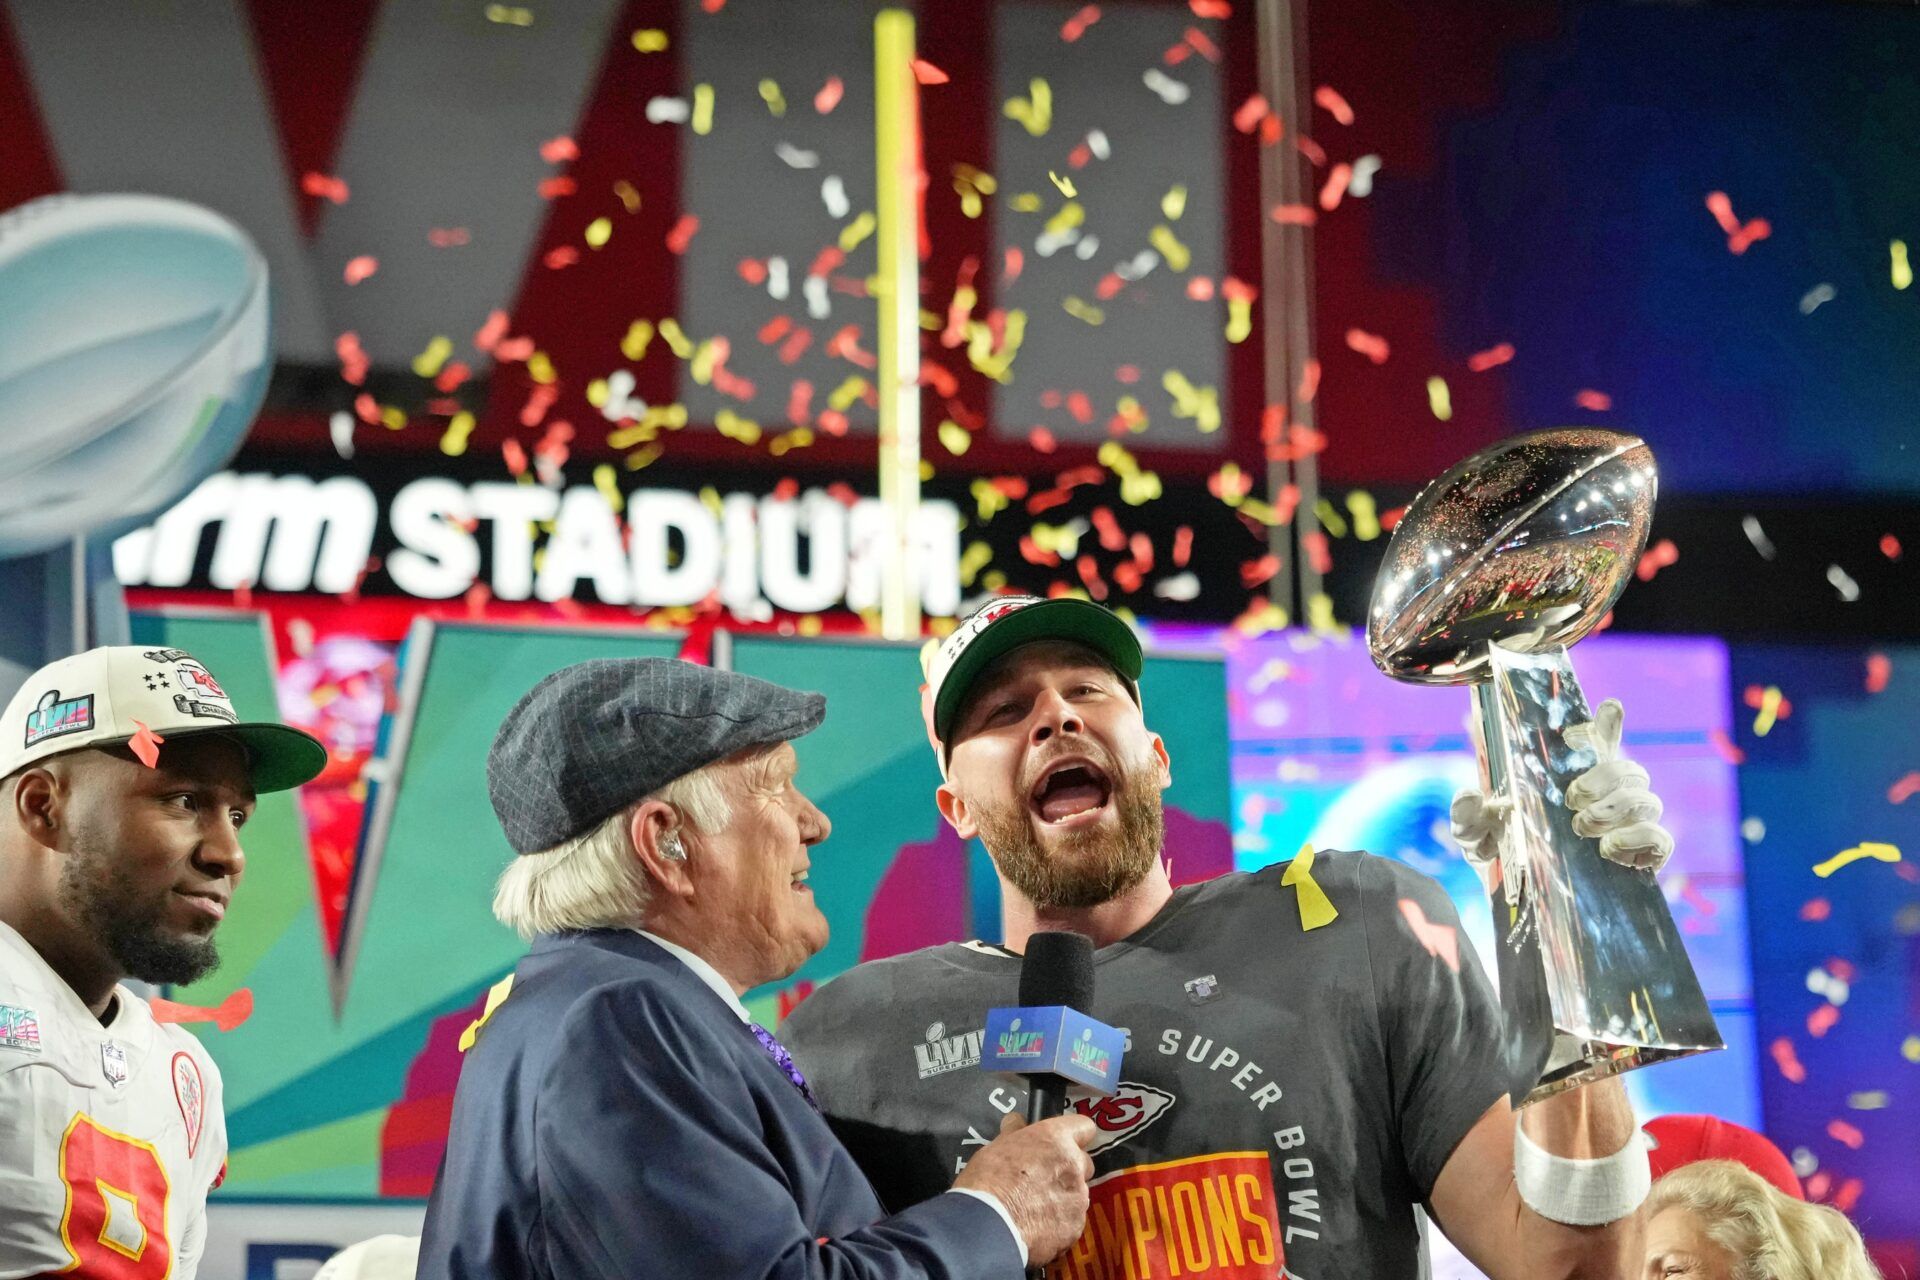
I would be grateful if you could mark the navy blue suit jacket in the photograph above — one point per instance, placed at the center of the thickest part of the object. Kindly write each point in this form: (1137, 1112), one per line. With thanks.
(615, 1118)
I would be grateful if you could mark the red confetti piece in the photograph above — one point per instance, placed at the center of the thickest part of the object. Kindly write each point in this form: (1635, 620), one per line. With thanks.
(682, 233)
(1042, 439)
(491, 332)
(145, 744)
(360, 268)
(559, 150)
(1286, 503)
(926, 73)
(753, 271)
(447, 237)
(1016, 261)
(1250, 113)
(510, 350)
(1318, 554)
(1030, 552)
(1594, 401)
(1229, 486)
(1481, 361)
(326, 186)
(1371, 345)
(1787, 1060)
(367, 409)
(558, 185)
(539, 400)
(1255, 572)
(1234, 289)
(353, 358)
(1310, 149)
(1090, 577)
(1756, 697)
(1295, 215)
(1080, 407)
(1441, 941)
(1904, 790)
(826, 260)
(1879, 670)
(1047, 501)
(1389, 519)
(1816, 909)
(1889, 546)
(829, 96)
(1142, 548)
(1655, 558)
(1728, 749)
(1309, 382)
(833, 422)
(1845, 1134)
(774, 330)
(1335, 186)
(1270, 131)
(1076, 26)
(1112, 537)
(226, 1015)
(1210, 8)
(1177, 54)
(1201, 45)
(451, 375)
(786, 490)
(796, 345)
(1182, 546)
(713, 6)
(1821, 1020)
(1848, 1195)
(1816, 1186)
(516, 457)
(563, 255)
(1128, 577)
(1328, 99)
(1739, 236)
(1841, 969)
(476, 599)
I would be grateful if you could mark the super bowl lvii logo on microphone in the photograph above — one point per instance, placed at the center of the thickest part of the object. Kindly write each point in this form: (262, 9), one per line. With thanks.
(1015, 1043)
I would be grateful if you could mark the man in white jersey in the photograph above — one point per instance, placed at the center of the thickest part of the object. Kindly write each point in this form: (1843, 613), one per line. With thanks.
(1313, 1048)
(126, 776)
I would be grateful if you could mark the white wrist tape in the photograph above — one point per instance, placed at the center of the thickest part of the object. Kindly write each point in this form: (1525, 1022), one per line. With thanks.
(1580, 1193)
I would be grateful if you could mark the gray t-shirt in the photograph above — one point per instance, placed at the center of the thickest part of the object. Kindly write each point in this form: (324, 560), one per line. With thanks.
(1289, 1095)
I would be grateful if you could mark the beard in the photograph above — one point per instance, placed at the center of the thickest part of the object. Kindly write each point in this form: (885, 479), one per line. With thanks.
(101, 897)
(1083, 867)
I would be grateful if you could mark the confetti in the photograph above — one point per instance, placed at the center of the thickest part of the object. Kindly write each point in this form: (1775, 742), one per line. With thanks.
(1180, 588)
(833, 193)
(1250, 113)
(1593, 401)
(1309, 382)
(1065, 185)
(1869, 849)
(1439, 400)
(509, 15)
(1905, 789)
(1816, 297)
(325, 186)
(926, 73)
(145, 744)
(360, 268)
(1787, 1060)
(771, 95)
(1441, 941)
(1034, 112)
(1492, 357)
(1902, 270)
(1371, 345)
(667, 111)
(1295, 215)
(1757, 536)
(650, 40)
(1889, 546)
(1655, 558)
(1816, 909)
(829, 95)
(454, 442)
(1739, 236)
(559, 150)
(1910, 1048)
(1771, 707)
(1171, 91)
(228, 1014)
(1845, 1134)
(1843, 583)
(1364, 170)
(598, 232)
(1210, 8)
(682, 233)
(1316, 908)
(1335, 186)
(1330, 101)
(702, 118)
(1076, 26)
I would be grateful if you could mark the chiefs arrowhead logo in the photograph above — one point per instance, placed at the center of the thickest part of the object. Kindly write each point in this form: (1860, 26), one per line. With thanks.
(1127, 1112)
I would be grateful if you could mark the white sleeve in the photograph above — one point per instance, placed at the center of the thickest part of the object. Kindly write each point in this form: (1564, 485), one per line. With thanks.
(209, 1168)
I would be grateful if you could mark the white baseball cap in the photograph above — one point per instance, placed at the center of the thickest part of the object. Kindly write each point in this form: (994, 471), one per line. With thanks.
(1006, 623)
(102, 697)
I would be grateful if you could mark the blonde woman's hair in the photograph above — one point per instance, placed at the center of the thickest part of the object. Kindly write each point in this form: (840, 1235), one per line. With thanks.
(1771, 1235)
(594, 881)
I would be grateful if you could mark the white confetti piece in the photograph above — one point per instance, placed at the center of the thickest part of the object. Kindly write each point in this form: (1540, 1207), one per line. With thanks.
(1843, 583)
(1171, 91)
(1137, 266)
(1181, 587)
(1753, 830)
(1816, 296)
(668, 111)
(1087, 248)
(1048, 243)
(834, 192)
(815, 292)
(778, 286)
(1097, 143)
(1757, 536)
(1361, 183)
(794, 158)
(340, 427)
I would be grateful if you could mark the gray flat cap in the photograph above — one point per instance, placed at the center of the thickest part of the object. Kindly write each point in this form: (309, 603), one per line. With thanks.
(592, 738)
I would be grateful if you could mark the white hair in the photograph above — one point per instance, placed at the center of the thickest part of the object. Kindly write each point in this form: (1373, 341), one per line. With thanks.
(594, 881)
(1771, 1235)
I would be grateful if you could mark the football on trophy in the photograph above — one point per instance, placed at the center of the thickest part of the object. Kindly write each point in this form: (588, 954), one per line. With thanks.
(134, 353)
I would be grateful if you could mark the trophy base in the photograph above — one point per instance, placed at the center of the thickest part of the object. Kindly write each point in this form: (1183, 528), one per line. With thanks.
(1594, 976)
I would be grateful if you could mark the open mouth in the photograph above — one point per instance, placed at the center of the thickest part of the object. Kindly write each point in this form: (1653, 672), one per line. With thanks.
(1070, 789)
(799, 882)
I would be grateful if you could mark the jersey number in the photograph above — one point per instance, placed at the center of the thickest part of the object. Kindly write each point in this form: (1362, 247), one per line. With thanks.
(115, 1223)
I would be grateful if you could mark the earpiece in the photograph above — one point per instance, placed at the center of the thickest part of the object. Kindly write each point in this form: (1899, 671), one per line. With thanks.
(671, 849)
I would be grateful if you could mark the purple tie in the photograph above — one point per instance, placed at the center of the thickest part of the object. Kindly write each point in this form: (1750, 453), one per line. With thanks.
(783, 1060)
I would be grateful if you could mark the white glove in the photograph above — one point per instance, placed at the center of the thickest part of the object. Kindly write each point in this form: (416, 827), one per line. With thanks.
(1609, 801)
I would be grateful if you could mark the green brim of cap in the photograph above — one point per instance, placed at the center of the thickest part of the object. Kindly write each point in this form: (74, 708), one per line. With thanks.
(1067, 618)
(280, 757)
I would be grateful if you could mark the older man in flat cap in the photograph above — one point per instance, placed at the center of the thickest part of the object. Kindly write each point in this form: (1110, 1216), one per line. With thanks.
(618, 1113)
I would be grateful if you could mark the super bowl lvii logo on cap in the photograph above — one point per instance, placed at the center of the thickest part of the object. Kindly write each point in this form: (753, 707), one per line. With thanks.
(53, 716)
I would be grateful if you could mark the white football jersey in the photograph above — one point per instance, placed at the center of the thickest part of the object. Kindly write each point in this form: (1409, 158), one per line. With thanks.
(110, 1136)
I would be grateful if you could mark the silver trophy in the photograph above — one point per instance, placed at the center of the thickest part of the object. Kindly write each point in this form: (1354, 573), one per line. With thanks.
(1493, 571)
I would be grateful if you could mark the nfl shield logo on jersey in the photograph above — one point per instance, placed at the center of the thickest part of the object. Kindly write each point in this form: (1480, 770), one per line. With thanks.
(190, 1093)
(113, 1060)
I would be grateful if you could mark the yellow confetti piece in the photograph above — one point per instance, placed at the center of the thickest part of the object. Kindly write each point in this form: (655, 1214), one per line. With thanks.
(976, 557)
(970, 203)
(393, 417)
(1902, 270)
(1910, 1049)
(629, 195)
(1061, 539)
(735, 427)
(771, 95)
(1035, 111)
(1366, 515)
(1316, 908)
(979, 179)
(1239, 319)
(954, 437)
(1065, 185)
(710, 499)
(639, 336)
(603, 481)
(993, 581)
(1202, 404)
(847, 392)
(650, 40)
(1232, 492)
(597, 393)
(1764, 719)
(1320, 613)
(496, 996)
(1262, 619)
(1128, 407)
(1332, 521)
(509, 15)
(1174, 203)
(1178, 256)
(854, 232)
(810, 624)
(1070, 215)
(1440, 399)
(703, 109)
(705, 357)
(429, 362)
(540, 367)
(1026, 202)
(1083, 310)
(1867, 849)
(786, 441)
(676, 338)
(643, 457)
(454, 442)
(1871, 1100)
(988, 501)
(599, 231)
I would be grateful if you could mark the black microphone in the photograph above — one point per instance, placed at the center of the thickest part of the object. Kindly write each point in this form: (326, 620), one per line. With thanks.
(1057, 971)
